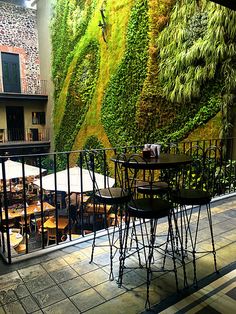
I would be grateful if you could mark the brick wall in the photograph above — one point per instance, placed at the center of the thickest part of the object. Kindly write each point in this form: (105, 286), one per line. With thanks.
(18, 34)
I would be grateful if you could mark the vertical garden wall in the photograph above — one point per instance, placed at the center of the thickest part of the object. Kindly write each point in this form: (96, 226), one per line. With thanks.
(131, 71)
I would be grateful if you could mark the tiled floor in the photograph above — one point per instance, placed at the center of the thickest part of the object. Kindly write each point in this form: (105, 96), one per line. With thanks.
(65, 282)
(217, 297)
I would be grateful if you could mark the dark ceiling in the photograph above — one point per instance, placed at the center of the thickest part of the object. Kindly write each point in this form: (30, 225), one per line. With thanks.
(227, 3)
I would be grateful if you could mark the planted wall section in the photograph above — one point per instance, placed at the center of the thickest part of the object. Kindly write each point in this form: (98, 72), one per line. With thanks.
(132, 71)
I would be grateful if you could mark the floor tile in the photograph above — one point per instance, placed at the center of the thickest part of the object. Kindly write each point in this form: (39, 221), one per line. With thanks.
(128, 303)
(21, 291)
(49, 296)
(40, 283)
(14, 308)
(54, 264)
(109, 289)
(62, 307)
(29, 304)
(10, 280)
(7, 296)
(96, 277)
(31, 272)
(87, 299)
(74, 257)
(63, 274)
(232, 293)
(73, 286)
(84, 267)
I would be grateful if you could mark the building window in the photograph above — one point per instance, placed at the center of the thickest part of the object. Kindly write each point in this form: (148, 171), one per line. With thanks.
(38, 118)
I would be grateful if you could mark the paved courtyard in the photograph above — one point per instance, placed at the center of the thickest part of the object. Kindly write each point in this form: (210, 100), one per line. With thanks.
(65, 282)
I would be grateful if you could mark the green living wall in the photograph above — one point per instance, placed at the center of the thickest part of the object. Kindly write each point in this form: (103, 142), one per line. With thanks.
(135, 71)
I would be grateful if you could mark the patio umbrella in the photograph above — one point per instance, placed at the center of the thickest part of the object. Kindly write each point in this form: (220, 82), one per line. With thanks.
(13, 170)
(48, 182)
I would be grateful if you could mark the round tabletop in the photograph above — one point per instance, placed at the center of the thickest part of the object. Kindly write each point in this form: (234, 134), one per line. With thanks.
(15, 239)
(163, 161)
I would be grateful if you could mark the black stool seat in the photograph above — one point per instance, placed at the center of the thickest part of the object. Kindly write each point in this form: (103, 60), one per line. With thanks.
(191, 197)
(155, 188)
(112, 196)
(149, 208)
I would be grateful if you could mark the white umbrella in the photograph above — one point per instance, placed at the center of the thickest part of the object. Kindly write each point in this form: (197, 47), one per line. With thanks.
(13, 169)
(48, 182)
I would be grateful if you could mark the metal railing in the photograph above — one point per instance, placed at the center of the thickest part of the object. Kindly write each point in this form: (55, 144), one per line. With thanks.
(28, 86)
(24, 135)
(26, 202)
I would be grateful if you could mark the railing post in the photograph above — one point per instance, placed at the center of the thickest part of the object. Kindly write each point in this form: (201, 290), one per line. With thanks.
(6, 211)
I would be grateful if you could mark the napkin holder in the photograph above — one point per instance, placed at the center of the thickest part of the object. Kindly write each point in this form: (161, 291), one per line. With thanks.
(155, 150)
(147, 151)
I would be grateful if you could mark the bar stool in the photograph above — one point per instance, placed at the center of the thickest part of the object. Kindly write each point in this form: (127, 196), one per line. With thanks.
(194, 196)
(148, 211)
(115, 196)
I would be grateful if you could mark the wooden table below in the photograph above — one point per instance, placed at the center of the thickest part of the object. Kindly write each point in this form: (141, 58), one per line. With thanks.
(51, 223)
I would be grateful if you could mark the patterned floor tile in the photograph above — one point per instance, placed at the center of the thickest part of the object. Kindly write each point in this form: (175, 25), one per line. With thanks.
(73, 286)
(96, 277)
(40, 283)
(29, 304)
(63, 274)
(62, 307)
(31, 272)
(87, 299)
(49, 296)
(14, 308)
(54, 264)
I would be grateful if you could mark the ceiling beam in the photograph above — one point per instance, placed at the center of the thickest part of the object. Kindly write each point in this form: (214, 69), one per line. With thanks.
(231, 4)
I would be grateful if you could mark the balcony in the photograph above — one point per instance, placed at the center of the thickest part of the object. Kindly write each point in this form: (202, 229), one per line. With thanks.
(25, 88)
(85, 287)
(24, 141)
(10, 136)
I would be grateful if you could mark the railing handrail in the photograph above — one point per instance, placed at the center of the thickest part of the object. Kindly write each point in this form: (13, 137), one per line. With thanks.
(72, 181)
(28, 86)
(24, 135)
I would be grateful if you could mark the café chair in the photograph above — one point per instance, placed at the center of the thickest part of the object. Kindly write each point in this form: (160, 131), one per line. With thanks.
(11, 223)
(148, 211)
(25, 224)
(116, 196)
(21, 248)
(192, 198)
(51, 235)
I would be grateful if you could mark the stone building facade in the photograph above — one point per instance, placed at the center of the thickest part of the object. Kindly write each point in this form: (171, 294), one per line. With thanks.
(18, 35)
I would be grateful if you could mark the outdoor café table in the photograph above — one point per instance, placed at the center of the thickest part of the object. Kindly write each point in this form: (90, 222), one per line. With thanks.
(163, 161)
(51, 223)
(30, 210)
(15, 238)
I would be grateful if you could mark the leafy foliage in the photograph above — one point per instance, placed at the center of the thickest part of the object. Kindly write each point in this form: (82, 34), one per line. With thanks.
(80, 92)
(177, 72)
(68, 26)
(93, 144)
(118, 111)
(197, 45)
